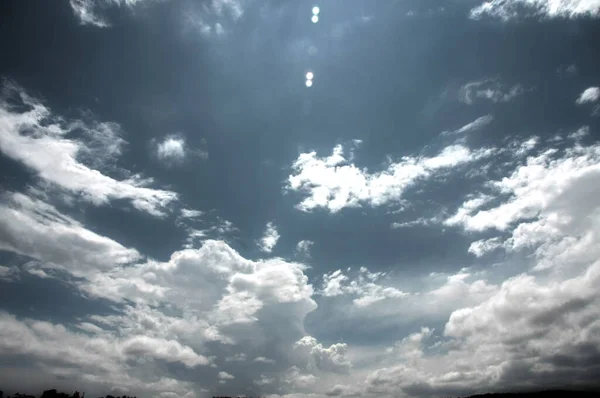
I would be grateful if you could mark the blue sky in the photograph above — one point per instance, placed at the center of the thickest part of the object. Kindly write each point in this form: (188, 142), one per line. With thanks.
(181, 214)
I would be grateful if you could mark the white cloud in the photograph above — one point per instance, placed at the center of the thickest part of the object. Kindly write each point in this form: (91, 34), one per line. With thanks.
(225, 376)
(38, 140)
(333, 183)
(488, 89)
(171, 149)
(55, 239)
(508, 9)
(541, 204)
(213, 17)
(590, 94)
(475, 125)
(264, 380)
(84, 11)
(170, 311)
(483, 246)
(364, 288)
(303, 248)
(314, 356)
(263, 360)
(421, 221)
(169, 350)
(99, 363)
(190, 213)
(88, 11)
(270, 238)
(526, 334)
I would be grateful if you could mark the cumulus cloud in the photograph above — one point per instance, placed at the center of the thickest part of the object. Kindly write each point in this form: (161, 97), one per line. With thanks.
(488, 89)
(334, 183)
(526, 334)
(330, 359)
(39, 140)
(103, 362)
(270, 238)
(542, 205)
(364, 287)
(172, 149)
(225, 376)
(508, 9)
(170, 311)
(590, 94)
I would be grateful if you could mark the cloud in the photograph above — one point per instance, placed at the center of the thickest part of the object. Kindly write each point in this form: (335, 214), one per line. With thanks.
(84, 10)
(475, 125)
(263, 360)
(89, 11)
(270, 238)
(303, 249)
(315, 356)
(225, 376)
(484, 246)
(103, 362)
(8, 274)
(171, 312)
(488, 89)
(364, 288)
(334, 183)
(526, 334)
(541, 205)
(56, 239)
(172, 149)
(590, 94)
(211, 18)
(39, 140)
(190, 213)
(509, 9)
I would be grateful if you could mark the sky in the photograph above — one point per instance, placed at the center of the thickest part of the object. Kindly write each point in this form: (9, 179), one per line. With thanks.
(345, 198)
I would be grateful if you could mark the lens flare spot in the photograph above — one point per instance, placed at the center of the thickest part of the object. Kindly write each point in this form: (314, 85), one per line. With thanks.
(314, 19)
(309, 83)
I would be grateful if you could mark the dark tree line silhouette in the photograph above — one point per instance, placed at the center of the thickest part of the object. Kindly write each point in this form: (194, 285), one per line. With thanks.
(55, 394)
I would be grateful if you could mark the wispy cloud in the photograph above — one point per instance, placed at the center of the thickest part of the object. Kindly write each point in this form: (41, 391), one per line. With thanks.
(488, 89)
(212, 17)
(475, 125)
(508, 9)
(89, 12)
(37, 139)
(303, 249)
(269, 239)
(85, 11)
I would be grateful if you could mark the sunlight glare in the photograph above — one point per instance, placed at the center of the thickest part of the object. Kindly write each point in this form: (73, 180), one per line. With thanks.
(309, 83)
(315, 19)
